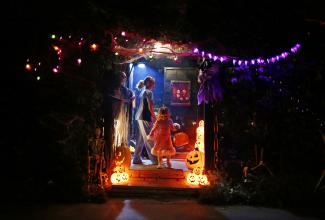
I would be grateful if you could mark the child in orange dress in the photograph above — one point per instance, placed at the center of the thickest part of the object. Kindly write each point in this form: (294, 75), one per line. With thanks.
(160, 134)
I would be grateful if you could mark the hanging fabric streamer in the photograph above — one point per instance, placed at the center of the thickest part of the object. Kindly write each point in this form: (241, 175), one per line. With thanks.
(210, 90)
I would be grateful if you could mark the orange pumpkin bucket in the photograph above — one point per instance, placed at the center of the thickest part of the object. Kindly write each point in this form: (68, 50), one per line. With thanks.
(180, 139)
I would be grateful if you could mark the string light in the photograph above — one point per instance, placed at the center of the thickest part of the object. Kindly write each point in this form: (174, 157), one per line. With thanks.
(93, 47)
(38, 78)
(28, 67)
(172, 50)
(55, 70)
(56, 48)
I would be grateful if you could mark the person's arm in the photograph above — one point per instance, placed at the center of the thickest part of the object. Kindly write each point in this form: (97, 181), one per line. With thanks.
(155, 126)
(133, 99)
(151, 105)
(173, 126)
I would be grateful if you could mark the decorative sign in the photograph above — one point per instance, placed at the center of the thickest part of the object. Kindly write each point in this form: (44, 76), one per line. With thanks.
(180, 93)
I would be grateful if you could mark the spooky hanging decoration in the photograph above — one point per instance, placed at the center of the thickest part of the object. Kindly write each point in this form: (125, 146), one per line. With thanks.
(200, 137)
(210, 90)
(194, 158)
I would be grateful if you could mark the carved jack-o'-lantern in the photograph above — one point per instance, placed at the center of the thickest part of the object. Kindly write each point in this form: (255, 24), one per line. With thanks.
(180, 139)
(202, 179)
(118, 169)
(116, 178)
(192, 179)
(198, 170)
(124, 177)
(123, 156)
(194, 158)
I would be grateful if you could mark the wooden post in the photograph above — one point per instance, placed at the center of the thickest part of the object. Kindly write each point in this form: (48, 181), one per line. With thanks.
(209, 136)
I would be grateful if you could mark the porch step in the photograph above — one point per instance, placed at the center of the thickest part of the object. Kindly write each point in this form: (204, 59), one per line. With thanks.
(180, 155)
(152, 191)
(172, 178)
(158, 173)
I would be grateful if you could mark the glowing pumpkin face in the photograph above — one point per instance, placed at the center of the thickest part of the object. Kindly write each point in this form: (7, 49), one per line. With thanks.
(118, 169)
(202, 179)
(198, 170)
(125, 177)
(123, 156)
(191, 179)
(116, 178)
(194, 158)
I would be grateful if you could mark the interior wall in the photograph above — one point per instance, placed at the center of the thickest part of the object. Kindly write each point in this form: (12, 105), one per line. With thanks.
(164, 71)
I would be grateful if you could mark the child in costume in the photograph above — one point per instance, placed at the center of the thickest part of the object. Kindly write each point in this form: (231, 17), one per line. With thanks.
(161, 135)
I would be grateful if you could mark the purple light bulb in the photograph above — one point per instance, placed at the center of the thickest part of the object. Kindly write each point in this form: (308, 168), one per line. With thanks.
(196, 50)
(253, 62)
(209, 55)
(234, 62)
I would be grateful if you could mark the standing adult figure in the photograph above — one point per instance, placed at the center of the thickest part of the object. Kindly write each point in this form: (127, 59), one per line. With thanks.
(145, 117)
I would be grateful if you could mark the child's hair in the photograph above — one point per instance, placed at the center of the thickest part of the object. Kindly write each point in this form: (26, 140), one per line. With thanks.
(140, 84)
(148, 79)
(163, 111)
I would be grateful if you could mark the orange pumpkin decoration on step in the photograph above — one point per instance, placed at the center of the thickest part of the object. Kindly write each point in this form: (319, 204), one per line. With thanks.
(192, 179)
(180, 139)
(123, 156)
(194, 158)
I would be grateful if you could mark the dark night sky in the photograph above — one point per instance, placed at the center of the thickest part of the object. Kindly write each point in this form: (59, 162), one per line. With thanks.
(243, 28)
(236, 24)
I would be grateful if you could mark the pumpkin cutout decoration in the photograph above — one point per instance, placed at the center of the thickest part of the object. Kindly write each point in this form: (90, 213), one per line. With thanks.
(119, 176)
(198, 170)
(194, 158)
(202, 179)
(116, 178)
(118, 169)
(200, 136)
(180, 139)
(123, 156)
(192, 179)
(124, 177)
